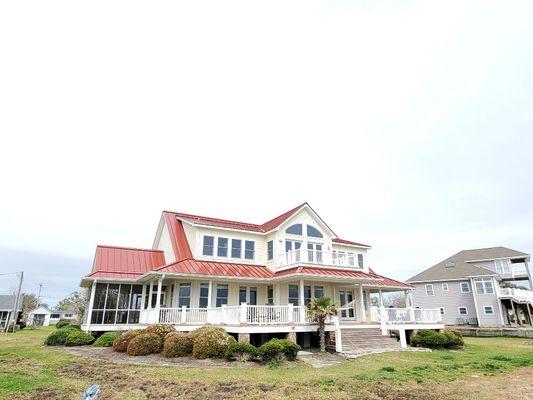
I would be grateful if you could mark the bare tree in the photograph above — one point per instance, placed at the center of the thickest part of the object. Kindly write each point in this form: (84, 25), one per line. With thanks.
(76, 301)
(29, 303)
(396, 300)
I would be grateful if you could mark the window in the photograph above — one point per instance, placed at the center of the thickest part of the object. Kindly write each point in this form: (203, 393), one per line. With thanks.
(444, 287)
(270, 294)
(360, 260)
(253, 296)
(270, 250)
(242, 294)
(68, 315)
(484, 286)
(294, 229)
(351, 259)
(222, 248)
(307, 295)
(293, 295)
(502, 266)
(465, 287)
(115, 304)
(204, 295)
(463, 311)
(249, 249)
(222, 295)
(442, 311)
(314, 251)
(209, 242)
(488, 310)
(313, 232)
(236, 245)
(319, 292)
(55, 315)
(429, 290)
(185, 295)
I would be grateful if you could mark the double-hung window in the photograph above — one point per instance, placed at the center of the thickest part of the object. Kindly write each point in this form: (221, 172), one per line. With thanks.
(429, 290)
(488, 310)
(465, 287)
(318, 292)
(484, 285)
(444, 287)
(463, 311)
(209, 244)
(222, 247)
(270, 294)
(360, 260)
(185, 295)
(293, 295)
(249, 249)
(236, 246)
(270, 250)
(204, 295)
(222, 295)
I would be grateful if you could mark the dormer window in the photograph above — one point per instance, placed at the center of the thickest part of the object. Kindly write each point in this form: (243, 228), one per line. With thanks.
(209, 244)
(313, 232)
(450, 264)
(295, 229)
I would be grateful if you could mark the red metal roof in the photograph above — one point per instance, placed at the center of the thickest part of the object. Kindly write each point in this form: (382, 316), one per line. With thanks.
(125, 262)
(242, 226)
(344, 241)
(180, 245)
(197, 267)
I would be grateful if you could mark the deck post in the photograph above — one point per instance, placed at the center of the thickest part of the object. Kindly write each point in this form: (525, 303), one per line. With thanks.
(403, 339)
(183, 314)
(210, 294)
(362, 305)
(301, 301)
(150, 295)
(224, 314)
(338, 336)
(243, 313)
(91, 304)
(290, 313)
(158, 300)
(143, 297)
(412, 314)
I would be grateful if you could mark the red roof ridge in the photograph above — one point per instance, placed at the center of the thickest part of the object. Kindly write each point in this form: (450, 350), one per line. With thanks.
(193, 216)
(126, 248)
(275, 222)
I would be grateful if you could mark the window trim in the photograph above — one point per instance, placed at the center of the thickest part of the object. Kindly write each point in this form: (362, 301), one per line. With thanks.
(253, 250)
(467, 287)
(295, 234)
(227, 246)
(442, 311)
(459, 310)
(270, 250)
(483, 281)
(485, 310)
(445, 284)
(432, 289)
(212, 246)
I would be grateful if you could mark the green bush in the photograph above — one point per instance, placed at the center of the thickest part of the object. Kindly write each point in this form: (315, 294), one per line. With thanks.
(62, 323)
(144, 344)
(436, 340)
(74, 326)
(161, 330)
(178, 344)
(210, 342)
(106, 340)
(57, 338)
(241, 351)
(78, 338)
(120, 344)
(278, 349)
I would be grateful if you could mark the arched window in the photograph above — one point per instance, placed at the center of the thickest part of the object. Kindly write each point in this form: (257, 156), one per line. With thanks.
(294, 229)
(313, 232)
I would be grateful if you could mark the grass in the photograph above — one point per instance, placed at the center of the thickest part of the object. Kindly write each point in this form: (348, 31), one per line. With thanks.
(29, 370)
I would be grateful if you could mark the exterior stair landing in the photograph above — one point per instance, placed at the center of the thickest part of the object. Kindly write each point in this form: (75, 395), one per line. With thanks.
(367, 340)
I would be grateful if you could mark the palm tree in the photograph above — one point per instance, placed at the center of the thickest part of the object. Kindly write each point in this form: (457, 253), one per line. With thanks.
(319, 310)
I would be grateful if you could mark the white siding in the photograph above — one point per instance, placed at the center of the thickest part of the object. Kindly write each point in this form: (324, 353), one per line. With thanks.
(165, 244)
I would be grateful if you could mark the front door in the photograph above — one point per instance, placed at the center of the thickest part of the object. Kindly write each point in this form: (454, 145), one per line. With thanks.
(346, 300)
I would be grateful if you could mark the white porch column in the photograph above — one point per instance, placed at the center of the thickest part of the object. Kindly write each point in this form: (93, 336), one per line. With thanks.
(210, 294)
(143, 296)
(277, 294)
(381, 298)
(150, 295)
(409, 298)
(403, 339)
(362, 301)
(301, 301)
(91, 304)
(158, 300)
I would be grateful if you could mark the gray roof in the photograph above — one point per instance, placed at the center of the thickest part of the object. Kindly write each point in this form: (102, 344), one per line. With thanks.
(462, 268)
(7, 302)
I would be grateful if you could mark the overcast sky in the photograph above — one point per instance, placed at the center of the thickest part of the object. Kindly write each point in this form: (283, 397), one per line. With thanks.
(408, 127)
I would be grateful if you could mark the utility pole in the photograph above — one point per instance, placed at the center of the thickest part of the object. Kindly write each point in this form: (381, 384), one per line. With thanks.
(39, 296)
(14, 315)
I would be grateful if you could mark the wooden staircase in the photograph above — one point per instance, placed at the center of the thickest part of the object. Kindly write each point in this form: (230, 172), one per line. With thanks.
(363, 340)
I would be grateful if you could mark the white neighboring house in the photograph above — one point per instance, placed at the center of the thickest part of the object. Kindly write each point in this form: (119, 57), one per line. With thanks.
(254, 280)
(7, 303)
(42, 316)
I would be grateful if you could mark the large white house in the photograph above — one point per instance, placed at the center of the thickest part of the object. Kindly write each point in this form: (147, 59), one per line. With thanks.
(254, 280)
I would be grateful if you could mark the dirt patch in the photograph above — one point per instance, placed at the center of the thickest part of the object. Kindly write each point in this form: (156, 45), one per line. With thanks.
(44, 393)
(107, 354)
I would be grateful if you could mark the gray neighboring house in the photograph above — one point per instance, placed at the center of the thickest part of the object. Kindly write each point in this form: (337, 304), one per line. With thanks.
(7, 303)
(483, 287)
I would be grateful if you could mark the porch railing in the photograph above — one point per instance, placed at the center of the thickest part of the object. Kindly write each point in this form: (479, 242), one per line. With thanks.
(411, 315)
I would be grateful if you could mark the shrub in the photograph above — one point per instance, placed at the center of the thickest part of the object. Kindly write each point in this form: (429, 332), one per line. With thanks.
(437, 340)
(78, 338)
(210, 342)
(74, 326)
(106, 340)
(241, 351)
(120, 344)
(275, 350)
(57, 338)
(62, 323)
(161, 330)
(144, 344)
(178, 344)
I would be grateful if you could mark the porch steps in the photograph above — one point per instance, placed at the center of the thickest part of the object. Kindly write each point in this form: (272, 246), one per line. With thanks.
(366, 340)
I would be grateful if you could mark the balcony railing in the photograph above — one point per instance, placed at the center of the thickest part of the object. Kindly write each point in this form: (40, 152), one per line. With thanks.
(519, 295)
(410, 315)
(318, 257)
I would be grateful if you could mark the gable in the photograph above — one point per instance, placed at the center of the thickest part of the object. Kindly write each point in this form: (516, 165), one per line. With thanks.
(307, 216)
